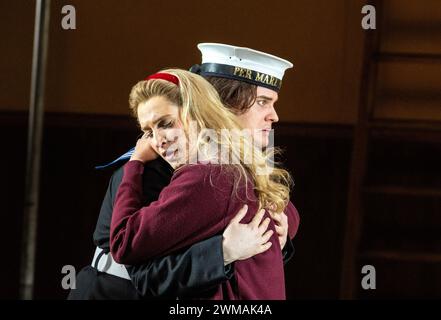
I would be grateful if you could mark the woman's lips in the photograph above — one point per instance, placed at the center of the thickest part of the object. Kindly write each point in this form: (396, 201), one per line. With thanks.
(170, 154)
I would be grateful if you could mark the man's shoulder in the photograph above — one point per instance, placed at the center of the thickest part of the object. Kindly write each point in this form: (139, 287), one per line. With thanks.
(117, 175)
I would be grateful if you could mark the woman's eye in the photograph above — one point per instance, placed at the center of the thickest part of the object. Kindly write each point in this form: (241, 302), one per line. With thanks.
(168, 124)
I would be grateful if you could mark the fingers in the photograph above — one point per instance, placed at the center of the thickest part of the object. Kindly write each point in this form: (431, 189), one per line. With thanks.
(267, 236)
(265, 247)
(146, 136)
(264, 225)
(142, 144)
(279, 230)
(283, 217)
(271, 207)
(283, 220)
(257, 218)
(276, 217)
(240, 215)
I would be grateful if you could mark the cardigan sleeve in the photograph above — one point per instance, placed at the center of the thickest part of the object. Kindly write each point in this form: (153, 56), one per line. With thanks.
(188, 210)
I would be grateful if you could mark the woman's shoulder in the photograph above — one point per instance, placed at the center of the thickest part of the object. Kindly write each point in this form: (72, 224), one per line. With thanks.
(220, 174)
(195, 170)
(215, 181)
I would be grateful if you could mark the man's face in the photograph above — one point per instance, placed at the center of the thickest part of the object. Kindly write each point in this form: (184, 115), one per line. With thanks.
(260, 117)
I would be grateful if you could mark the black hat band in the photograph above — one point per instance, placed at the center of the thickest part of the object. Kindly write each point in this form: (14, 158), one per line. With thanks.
(241, 74)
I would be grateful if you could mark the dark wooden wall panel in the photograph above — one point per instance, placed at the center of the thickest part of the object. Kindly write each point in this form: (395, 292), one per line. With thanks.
(12, 161)
(319, 166)
(116, 43)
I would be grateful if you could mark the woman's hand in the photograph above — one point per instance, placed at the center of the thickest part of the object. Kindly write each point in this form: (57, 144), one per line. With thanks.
(281, 225)
(144, 150)
(242, 241)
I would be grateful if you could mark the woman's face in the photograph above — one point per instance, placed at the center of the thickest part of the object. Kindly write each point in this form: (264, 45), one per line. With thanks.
(159, 120)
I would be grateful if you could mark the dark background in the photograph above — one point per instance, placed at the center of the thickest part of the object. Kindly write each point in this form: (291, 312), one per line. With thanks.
(87, 122)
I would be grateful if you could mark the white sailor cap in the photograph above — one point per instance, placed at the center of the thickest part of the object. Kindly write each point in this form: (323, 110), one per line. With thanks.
(244, 64)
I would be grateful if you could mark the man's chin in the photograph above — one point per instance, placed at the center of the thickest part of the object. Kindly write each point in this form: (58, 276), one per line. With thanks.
(261, 142)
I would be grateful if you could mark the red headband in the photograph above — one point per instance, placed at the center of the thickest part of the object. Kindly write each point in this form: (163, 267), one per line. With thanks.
(164, 76)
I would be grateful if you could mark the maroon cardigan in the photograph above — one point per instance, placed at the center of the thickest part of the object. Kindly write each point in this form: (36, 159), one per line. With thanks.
(198, 203)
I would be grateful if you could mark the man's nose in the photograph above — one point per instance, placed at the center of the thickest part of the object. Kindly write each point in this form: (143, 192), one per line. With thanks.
(272, 115)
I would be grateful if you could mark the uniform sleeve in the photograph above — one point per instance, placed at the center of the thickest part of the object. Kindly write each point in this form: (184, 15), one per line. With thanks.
(187, 211)
(293, 226)
(102, 228)
(288, 251)
(195, 269)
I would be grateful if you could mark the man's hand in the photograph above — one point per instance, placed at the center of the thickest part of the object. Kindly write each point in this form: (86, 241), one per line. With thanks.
(281, 225)
(144, 150)
(242, 241)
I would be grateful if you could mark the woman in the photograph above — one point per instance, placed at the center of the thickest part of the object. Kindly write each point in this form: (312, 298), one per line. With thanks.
(210, 194)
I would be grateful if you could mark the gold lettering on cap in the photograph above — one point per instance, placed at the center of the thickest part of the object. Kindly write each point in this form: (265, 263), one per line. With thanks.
(237, 70)
(259, 77)
(249, 74)
(273, 81)
(242, 72)
(267, 79)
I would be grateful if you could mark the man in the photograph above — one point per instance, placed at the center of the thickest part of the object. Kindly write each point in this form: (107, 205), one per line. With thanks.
(248, 82)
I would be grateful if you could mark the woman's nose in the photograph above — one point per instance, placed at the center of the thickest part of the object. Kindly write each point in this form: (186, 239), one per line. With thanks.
(161, 142)
(160, 139)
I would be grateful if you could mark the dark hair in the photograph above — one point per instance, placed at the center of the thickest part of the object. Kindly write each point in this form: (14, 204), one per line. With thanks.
(236, 95)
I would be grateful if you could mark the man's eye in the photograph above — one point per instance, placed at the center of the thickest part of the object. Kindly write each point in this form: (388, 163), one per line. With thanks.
(261, 102)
